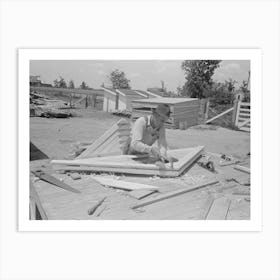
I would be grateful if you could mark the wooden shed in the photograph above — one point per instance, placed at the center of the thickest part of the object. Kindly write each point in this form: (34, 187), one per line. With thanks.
(120, 99)
(183, 110)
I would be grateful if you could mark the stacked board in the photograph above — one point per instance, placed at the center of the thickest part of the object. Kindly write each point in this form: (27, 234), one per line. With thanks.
(185, 110)
(111, 142)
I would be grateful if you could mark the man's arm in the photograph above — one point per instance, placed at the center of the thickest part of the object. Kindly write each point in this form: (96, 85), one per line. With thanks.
(137, 137)
(162, 142)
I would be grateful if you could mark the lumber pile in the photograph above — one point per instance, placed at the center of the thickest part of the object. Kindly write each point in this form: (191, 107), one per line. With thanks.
(41, 106)
(122, 113)
(183, 110)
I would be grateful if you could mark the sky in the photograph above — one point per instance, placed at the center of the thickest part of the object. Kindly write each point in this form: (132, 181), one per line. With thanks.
(142, 74)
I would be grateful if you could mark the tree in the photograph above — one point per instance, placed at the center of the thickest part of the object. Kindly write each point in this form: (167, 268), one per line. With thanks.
(119, 80)
(244, 88)
(230, 84)
(71, 84)
(220, 94)
(60, 83)
(198, 74)
(83, 85)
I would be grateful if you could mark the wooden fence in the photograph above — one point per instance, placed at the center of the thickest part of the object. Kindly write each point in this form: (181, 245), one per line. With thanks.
(89, 97)
(241, 115)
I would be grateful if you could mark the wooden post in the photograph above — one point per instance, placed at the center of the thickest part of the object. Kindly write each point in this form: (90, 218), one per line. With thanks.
(71, 97)
(117, 101)
(86, 105)
(235, 110)
(206, 109)
(94, 101)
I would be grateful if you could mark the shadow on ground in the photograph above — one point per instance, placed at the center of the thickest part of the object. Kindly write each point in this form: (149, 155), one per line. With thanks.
(36, 154)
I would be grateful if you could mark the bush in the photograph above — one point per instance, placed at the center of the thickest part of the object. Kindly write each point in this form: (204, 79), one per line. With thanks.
(221, 95)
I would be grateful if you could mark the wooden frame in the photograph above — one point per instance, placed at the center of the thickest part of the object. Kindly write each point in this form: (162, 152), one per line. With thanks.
(112, 139)
(131, 164)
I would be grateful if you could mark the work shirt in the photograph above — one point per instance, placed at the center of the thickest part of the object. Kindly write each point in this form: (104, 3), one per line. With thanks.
(144, 136)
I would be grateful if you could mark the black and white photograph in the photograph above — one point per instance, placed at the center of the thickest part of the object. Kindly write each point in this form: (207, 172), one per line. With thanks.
(140, 139)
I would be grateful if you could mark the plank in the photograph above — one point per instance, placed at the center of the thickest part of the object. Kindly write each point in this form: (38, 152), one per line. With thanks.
(139, 194)
(206, 207)
(119, 184)
(245, 104)
(91, 169)
(243, 123)
(32, 209)
(80, 100)
(241, 193)
(174, 193)
(101, 149)
(219, 209)
(244, 128)
(128, 164)
(220, 115)
(99, 142)
(242, 168)
(38, 205)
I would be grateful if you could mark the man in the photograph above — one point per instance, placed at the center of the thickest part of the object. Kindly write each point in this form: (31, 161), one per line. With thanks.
(146, 131)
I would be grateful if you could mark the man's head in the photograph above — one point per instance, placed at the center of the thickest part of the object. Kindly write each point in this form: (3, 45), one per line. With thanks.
(161, 114)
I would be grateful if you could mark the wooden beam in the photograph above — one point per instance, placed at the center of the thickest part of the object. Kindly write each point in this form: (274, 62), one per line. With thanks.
(80, 100)
(242, 168)
(206, 207)
(220, 115)
(174, 193)
(139, 194)
(129, 163)
(119, 184)
(219, 209)
(243, 123)
(38, 205)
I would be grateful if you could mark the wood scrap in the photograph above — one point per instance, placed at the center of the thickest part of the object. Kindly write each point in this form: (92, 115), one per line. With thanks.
(94, 207)
(241, 193)
(140, 194)
(242, 168)
(174, 193)
(219, 209)
(75, 176)
(123, 185)
(206, 207)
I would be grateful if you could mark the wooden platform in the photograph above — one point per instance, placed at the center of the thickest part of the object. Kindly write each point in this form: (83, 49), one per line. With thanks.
(59, 204)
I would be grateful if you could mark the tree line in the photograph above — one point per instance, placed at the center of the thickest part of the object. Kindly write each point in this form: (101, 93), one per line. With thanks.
(199, 82)
(116, 77)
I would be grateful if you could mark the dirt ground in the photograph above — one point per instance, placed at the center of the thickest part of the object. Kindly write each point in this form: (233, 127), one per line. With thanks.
(54, 137)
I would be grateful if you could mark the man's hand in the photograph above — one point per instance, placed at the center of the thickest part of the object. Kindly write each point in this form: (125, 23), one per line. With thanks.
(155, 152)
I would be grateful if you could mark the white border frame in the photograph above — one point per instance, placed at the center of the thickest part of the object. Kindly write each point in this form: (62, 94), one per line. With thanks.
(24, 57)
